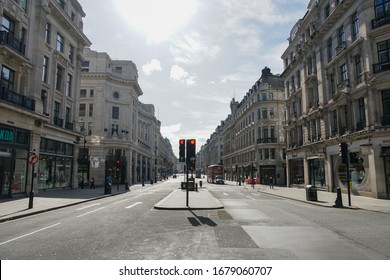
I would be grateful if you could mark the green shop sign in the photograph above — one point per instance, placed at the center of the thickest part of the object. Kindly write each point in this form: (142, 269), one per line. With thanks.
(6, 135)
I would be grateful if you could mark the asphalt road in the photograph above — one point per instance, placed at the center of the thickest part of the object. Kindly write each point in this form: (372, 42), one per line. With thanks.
(251, 226)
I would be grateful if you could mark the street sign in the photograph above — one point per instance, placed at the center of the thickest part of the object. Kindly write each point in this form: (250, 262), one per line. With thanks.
(33, 158)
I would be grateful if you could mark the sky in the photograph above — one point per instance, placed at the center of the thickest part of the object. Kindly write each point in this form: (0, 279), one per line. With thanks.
(193, 56)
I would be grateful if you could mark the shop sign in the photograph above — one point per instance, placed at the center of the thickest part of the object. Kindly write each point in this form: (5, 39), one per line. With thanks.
(6, 135)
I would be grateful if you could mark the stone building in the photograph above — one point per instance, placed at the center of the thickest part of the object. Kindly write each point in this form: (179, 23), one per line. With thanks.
(122, 135)
(250, 142)
(336, 75)
(41, 45)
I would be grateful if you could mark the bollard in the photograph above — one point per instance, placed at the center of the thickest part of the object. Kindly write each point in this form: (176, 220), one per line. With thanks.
(31, 200)
(339, 201)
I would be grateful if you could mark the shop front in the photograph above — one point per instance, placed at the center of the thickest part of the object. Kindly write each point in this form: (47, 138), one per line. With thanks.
(14, 147)
(55, 164)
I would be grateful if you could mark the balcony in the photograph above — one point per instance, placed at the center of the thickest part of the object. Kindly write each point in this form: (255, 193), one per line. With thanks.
(58, 122)
(9, 40)
(360, 125)
(69, 126)
(341, 47)
(385, 120)
(267, 140)
(343, 84)
(16, 99)
(378, 22)
(381, 67)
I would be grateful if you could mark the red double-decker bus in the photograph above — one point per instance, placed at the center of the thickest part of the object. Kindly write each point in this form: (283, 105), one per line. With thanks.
(215, 174)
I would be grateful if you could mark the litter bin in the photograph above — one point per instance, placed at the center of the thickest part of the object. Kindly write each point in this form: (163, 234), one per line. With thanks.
(311, 193)
(107, 188)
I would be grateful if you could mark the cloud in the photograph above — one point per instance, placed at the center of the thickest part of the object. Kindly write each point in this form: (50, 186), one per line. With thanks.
(150, 67)
(193, 49)
(179, 74)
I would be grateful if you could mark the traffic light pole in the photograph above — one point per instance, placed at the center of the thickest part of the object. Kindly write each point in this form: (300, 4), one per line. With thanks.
(349, 189)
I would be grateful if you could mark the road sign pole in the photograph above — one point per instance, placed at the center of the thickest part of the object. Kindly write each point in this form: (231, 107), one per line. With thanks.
(31, 196)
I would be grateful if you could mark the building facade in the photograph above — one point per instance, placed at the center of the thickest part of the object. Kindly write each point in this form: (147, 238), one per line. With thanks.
(337, 86)
(251, 140)
(121, 134)
(41, 44)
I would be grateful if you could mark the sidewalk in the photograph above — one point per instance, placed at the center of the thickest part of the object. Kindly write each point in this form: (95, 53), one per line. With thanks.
(325, 199)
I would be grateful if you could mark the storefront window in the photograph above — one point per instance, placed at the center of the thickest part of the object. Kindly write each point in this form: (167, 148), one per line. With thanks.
(356, 174)
(296, 171)
(316, 172)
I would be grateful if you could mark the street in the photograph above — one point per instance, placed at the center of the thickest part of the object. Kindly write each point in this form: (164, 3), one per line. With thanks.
(251, 226)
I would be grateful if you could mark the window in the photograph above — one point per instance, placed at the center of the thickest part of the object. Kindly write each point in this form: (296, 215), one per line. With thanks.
(382, 8)
(358, 69)
(67, 115)
(91, 93)
(71, 54)
(115, 112)
(341, 37)
(82, 110)
(45, 69)
(59, 78)
(271, 113)
(83, 93)
(264, 113)
(386, 102)
(344, 73)
(327, 11)
(355, 27)
(362, 114)
(90, 128)
(91, 109)
(61, 3)
(57, 106)
(69, 82)
(114, 129)
(330, 49)
(47, 32)
(85, 66)
(23, 4)
(60, 43)
(384, 52)
(8, 25)
(7, 78)
(335, 126)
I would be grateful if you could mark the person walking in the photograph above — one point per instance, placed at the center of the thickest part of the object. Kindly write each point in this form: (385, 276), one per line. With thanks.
(92, 183)
(271, 182)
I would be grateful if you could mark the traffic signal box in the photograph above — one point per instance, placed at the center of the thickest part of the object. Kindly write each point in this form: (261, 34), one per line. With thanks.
(343, 152)
(191, 153)
(182, 150)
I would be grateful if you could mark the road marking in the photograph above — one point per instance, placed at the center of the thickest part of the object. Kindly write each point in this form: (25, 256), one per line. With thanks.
(225, 193)
(121, 201)
(257, 194)
(135, 204)
(31, 233)
(90, 212)
(88, 206)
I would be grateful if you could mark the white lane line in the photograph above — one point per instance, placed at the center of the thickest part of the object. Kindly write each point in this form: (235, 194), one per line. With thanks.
(90, 212)
(121, 201)
(225, 193)
(135, 204)
(88, 206)
(31, 233)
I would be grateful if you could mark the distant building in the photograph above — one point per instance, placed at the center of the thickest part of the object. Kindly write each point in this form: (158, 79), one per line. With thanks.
(336, 76)
(250, 142)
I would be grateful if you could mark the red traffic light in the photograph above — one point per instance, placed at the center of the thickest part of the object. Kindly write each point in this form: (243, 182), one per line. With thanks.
(118, 161)
(181, 141)
(192, 141)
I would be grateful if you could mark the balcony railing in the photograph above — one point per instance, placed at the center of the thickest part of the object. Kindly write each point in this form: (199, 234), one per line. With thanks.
(343, 84)
(19, 100)
(360, 125)
(58, 122)
(267, 140)
(385, 120)
(380, 67)
(378, 22)
(9, 40)
(69, 125)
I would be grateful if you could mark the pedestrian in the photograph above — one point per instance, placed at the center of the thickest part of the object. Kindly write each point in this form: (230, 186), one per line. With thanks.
(92, 183)
(271, 182)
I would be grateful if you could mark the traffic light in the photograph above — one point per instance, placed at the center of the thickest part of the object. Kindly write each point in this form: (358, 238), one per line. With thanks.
(343, 152)
(191, 153)
(182, 150)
